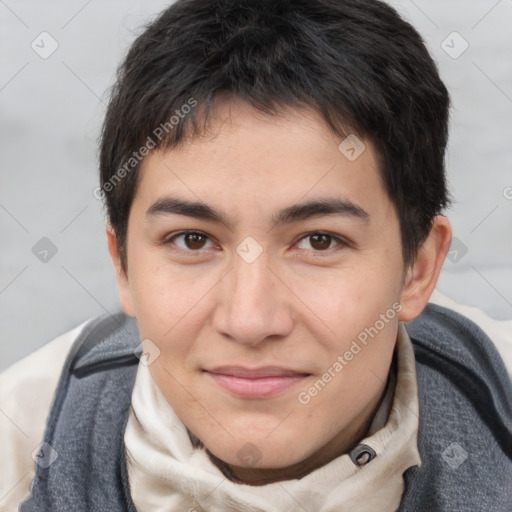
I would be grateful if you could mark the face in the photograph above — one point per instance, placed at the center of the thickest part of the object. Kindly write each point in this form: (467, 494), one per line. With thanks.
(257, 255)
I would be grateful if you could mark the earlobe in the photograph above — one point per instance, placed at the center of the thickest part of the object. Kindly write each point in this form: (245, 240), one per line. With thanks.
(421, 277)
(123, 285)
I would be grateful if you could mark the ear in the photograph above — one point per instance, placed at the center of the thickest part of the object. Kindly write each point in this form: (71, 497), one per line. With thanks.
(422, 275)
(123, 285)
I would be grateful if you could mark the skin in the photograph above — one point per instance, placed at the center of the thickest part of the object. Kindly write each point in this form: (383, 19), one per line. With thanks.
(299, 304)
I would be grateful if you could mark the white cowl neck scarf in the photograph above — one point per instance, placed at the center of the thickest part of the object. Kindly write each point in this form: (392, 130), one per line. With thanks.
(168, 474)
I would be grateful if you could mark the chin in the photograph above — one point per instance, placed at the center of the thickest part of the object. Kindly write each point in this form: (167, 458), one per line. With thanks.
(258, 453)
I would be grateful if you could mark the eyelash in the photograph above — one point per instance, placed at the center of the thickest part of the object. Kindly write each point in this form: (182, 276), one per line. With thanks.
(340, 242)
(170, 241)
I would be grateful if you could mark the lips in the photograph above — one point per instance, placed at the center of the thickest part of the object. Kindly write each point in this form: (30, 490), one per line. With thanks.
(266, 371)
(262, 382)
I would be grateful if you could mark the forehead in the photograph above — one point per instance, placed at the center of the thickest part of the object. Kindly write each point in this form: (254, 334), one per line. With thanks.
(247, 158)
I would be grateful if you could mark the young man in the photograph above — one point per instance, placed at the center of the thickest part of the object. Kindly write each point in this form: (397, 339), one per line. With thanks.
(274, 179)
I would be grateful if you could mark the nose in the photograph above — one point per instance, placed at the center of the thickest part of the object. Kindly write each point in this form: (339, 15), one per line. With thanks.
(254, 305)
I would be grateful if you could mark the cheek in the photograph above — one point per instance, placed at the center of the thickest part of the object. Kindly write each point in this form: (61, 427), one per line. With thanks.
(164, 294)
(345, 301)
(358, 328)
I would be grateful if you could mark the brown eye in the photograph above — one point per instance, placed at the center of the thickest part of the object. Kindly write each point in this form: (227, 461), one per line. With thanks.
(190, 241)
(195, 241)
(320, 242)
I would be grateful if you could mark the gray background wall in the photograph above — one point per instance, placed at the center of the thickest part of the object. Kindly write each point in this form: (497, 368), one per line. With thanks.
(51, 109)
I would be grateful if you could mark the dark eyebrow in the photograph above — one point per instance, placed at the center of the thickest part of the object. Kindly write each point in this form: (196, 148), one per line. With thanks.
(319, 207)
(199, 210)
